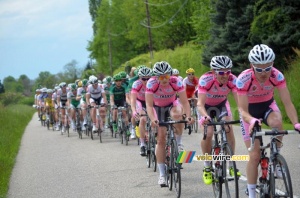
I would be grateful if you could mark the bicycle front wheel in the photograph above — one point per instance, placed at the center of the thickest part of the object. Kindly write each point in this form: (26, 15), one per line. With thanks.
(175, 168)
(230, 177)
(280, 182)
(216, 173)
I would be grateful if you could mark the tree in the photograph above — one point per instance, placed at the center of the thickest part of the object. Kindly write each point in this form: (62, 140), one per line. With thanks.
(45, 79)
(230, 32)
(93, 8)
(12, 85)
(71, 71)
(277, 23)
(27, 84)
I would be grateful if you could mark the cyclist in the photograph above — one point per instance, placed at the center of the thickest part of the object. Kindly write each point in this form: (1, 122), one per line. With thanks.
(161, 102)
(138, 104)
(41, 101)
(94, 94)
(255, 90)
(61, 101)
(49, 105)
(175, 72)
(118, 99)
(36, 102)
(55, 105)
(128, 90)
(190, 83)
(81, 96)
(73, 103)
(214, 86)
(106, 86)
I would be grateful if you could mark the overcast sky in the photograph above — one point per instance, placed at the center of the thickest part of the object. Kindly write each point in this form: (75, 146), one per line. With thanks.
(37, 35)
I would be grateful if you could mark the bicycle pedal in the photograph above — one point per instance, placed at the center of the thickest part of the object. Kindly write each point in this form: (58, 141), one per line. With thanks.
(163, 185)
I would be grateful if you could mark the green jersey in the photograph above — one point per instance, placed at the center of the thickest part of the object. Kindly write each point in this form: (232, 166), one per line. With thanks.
(119, 93)
(130, 83)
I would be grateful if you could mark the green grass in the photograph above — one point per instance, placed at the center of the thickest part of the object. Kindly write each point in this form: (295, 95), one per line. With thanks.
(13, 120)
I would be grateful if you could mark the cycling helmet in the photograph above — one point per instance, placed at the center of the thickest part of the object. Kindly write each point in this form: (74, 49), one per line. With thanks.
(56, 88)
(108, 79)
(190, 70)
(261, 54)
(37, 90)
(99, 81)
(62, 84)
(123, 74)
(145, 71)
(44, 90)
(220, 62)
(175, 72)
(93, 79)
(117, 77)
(161, 68)
(73, 86)
(77, 81)
(49, 91)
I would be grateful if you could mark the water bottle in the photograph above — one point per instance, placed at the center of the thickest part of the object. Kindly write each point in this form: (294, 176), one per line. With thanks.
(264, 167)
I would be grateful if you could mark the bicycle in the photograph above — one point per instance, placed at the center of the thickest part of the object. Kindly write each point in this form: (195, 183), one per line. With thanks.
(194, 114)
(78, 122)
(43, 116)
(99, 131)
(89, 123)
(269, 183)
(150, 144)
(220, 146)
(109, 120)
(66, 118)
(172, 168)
(50, 118)
(122, 128)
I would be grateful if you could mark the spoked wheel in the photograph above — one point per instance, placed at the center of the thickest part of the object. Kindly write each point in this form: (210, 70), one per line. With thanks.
(68, 131)
(169, 171)
(99, 133)
(216, 170)
(195, 125)
(230, 177)
(280, 182)
(48, 124)
(176, 174)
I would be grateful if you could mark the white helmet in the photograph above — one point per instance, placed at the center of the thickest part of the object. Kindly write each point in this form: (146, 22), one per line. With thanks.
(220, 62)
(161, 68)
(261, 54)
(44, 90)
(145, 71)
(175, 72)
(49, 91)
(93, 79)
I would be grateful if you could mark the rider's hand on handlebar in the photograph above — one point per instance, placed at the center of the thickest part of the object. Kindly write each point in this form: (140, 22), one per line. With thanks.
(136, 115)
(154, 123)
(297, 127)
(190, 120)
(252, 124)
(205, 120)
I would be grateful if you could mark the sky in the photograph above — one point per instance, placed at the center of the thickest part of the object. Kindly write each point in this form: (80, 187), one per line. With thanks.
(37, 36)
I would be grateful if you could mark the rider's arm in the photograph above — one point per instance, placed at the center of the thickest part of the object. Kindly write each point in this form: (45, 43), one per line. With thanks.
(112, 100)
(243, 107)
(185, 104)
(288, 105)
(201, 104)
(133, 101)
(88, 96)
(149, 106)
(127, 98)
(104, 97)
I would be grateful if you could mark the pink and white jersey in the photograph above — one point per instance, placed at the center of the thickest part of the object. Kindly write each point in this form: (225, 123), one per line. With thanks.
(140, 89)
(215, 92)
(247, 84)
(164, 95)
(95, 93)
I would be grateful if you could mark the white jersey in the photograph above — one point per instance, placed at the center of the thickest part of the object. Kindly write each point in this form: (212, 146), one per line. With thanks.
(95, 93)
(62, 95)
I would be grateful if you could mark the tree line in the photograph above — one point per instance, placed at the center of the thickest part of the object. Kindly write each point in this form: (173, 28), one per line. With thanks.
(219, 27)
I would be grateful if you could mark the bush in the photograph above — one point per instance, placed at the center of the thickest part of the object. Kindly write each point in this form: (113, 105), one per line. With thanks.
(27, 101)
(8, 98)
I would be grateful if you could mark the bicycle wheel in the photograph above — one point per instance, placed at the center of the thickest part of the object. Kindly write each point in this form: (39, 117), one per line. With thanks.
(230, 180)
(196, 122)
(216, 168)
(148, 152)
(170, 166)
(48, 124)
(176, 175)
(281, 184)
(68, 131)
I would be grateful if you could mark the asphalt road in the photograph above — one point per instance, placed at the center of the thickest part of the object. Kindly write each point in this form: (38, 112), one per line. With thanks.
(53, 165)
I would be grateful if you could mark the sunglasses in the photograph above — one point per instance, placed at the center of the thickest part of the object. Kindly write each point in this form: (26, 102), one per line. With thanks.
(164, 77)
(260, 70)
(145, 79)
(222, 73)
(191, 74)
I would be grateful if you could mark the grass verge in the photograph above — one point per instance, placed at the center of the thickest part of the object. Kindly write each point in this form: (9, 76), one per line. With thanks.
(13, 121)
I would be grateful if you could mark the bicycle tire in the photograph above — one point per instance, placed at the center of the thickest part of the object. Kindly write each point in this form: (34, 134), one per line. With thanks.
(68, 131)
(176, 167)
(216, 177)
(231, 182)
(170, 167)
(48, 124)
(153, 156)
(196, 123)
(148, 150)
(281, 186)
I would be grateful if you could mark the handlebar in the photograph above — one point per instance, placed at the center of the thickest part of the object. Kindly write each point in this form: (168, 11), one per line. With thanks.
(212, 123)
(273, 132)
(173, 122)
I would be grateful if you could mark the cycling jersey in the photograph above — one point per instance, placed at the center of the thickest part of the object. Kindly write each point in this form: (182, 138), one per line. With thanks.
(62, 95)
(164, 95)
(119, 93)
(247, 84)
(130, 83)
(106, 90)
(190, 86)
(72, 97)
(139, 88)
(95, 92)
(216, 93)
(81, 91)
